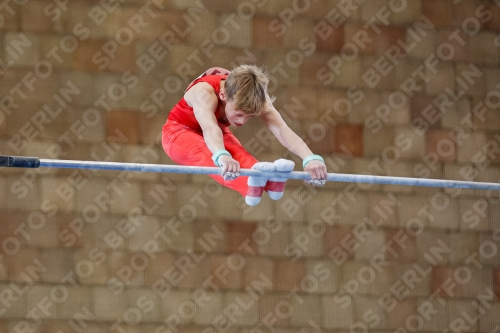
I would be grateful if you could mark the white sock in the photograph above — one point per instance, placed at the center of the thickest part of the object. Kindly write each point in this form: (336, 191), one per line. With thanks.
(276, 186)
(256, 184)
(284, 165)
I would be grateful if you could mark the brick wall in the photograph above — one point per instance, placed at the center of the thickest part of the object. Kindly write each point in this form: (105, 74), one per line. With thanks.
(403, 88)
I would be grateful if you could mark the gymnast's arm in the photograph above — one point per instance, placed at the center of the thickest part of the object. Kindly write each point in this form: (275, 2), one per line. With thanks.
(202, 98)
(273, 120)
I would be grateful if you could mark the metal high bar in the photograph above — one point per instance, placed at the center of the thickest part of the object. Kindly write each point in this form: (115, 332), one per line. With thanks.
(35, 162)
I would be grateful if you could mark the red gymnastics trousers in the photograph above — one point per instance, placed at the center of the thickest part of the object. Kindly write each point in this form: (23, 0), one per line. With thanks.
(187, 147)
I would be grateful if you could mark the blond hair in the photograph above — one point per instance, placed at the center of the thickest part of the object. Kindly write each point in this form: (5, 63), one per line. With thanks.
(246, 86)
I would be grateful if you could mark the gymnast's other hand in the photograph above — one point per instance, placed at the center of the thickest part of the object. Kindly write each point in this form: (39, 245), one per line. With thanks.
(317, 171)
(230, 167)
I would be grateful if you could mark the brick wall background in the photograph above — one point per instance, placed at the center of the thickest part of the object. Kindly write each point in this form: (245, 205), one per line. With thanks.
(386, 87)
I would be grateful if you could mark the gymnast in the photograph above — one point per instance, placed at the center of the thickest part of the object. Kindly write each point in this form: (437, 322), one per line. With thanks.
(196, 132)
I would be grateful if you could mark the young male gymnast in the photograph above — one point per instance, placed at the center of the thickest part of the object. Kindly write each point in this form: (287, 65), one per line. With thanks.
(196, 132)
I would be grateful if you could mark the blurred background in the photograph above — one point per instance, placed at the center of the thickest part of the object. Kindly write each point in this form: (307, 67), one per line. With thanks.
(384, 87)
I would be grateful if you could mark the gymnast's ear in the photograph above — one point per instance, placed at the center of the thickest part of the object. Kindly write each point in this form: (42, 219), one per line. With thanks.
(222, 95)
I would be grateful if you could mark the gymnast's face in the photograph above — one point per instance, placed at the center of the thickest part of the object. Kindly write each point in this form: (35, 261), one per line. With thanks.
(236, 118)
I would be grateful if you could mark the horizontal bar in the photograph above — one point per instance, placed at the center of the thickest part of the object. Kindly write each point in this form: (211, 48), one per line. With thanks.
(19, 161)
(336, 177)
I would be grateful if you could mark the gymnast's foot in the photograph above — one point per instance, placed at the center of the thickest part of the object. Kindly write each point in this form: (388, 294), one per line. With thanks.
(276, 186)
(256, 184)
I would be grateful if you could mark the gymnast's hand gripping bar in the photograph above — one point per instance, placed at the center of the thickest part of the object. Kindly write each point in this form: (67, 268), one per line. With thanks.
(35, 162)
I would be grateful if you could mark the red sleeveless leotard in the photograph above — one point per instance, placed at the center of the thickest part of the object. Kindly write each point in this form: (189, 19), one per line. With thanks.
(183, 114)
